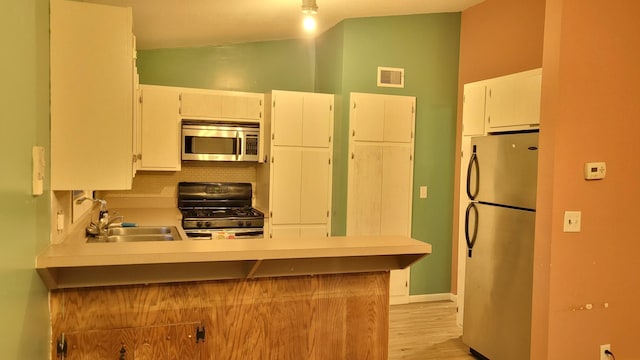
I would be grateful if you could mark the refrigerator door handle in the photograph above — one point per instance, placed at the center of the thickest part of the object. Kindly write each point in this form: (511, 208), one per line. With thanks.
(473, 163)
(471, 238)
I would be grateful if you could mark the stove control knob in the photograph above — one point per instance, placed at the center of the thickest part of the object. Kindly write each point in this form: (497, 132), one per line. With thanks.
(199, 224)
(240, 223)
(207, 224)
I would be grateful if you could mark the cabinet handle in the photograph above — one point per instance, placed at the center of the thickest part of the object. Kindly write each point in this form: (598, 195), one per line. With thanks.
(352, 157)
(353, 133)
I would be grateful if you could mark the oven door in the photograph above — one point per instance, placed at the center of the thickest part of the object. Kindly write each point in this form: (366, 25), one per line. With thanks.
(221, 234)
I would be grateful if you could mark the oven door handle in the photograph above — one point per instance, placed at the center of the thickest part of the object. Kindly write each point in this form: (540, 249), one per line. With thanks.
(199, 235)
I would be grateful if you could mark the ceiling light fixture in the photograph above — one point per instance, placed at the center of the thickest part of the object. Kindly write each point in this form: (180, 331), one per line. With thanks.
(309, 9)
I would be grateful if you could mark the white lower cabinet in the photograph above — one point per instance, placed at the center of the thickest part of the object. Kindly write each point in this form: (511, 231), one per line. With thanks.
(159, 129)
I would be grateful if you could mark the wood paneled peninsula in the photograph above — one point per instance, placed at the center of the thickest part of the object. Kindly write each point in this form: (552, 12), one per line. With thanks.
(324, 298)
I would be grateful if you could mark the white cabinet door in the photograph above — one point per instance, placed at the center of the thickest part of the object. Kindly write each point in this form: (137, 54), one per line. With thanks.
(395, 212)
(314, 186)
(302, 119)
(301, 186)
(365, 196)
(285, 232)
(316, 120)
(314, 231)
(286, 184)
(91, 96)
(398, 118)
(473, 109)
(287, 118)
(382, 117)
(217, 104)
(200, 105)
(160, 129)
(299, 231)
(367, 117)
(513, 101)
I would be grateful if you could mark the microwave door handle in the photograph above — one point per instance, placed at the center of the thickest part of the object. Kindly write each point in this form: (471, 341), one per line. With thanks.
(238, 143)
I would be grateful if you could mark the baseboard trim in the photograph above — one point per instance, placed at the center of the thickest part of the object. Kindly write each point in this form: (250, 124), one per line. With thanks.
(433, 297)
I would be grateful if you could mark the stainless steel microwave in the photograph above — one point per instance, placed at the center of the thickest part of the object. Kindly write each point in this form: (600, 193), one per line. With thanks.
(220, 141)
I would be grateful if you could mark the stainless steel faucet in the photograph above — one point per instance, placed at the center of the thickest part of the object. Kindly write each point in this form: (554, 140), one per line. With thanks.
(100, 229)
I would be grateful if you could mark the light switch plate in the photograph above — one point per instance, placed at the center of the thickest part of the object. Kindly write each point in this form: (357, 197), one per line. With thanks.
(423, 192)
(572, 221)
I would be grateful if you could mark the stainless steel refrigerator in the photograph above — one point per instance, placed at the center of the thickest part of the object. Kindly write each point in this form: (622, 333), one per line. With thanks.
(499, 228)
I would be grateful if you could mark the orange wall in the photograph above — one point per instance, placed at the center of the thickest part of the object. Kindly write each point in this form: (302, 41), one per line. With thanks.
(590, 112)
(497, 37)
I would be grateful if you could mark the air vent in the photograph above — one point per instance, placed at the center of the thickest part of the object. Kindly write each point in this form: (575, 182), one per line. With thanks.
(390, 77)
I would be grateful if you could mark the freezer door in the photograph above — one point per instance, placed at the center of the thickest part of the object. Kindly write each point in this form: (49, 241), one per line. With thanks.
(503, 169)
(498, 281)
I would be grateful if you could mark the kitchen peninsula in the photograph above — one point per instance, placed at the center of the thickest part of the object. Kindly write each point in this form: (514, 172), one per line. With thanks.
(324, 298)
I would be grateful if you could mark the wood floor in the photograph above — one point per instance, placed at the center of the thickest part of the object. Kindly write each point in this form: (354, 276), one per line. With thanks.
(424, 331)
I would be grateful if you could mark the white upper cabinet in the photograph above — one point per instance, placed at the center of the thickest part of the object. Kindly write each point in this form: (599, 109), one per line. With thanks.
(216, 104)
(382, 117)
(159, 142)
(92, 96)
(473, 107)
(513, 101)
(300, 119)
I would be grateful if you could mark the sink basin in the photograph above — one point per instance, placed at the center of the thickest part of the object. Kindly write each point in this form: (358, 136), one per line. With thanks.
(138, 234)
(140, 237)
(142, 230)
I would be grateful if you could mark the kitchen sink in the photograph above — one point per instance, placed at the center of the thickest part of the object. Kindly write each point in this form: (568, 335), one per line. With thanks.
(138, 234)
(142, 230)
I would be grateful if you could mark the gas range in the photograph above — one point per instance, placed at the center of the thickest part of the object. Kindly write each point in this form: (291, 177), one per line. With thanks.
(212, 210)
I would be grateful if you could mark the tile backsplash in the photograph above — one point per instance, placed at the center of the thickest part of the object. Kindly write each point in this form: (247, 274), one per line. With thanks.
(158, 185)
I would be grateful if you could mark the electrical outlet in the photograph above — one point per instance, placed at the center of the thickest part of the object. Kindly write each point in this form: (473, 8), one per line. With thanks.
(603, 348)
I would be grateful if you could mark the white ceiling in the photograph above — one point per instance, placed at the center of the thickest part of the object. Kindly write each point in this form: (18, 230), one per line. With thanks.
(188, 23)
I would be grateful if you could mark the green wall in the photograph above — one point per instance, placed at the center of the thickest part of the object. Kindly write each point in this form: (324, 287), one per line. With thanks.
(253, 67)
(427, 47)
(24, 219)
(343, 60)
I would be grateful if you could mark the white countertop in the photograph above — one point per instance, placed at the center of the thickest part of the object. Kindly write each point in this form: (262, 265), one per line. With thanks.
(75, 263)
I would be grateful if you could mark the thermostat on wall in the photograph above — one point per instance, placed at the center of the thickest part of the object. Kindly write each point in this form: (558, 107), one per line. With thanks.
(595, 170)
